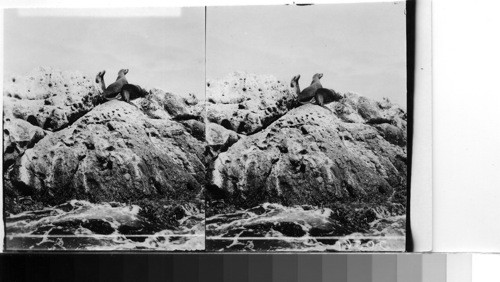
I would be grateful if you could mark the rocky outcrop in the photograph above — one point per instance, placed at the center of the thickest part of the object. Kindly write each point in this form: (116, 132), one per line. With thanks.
(218, 135)
(19, 135)
(48, 98)
(313, 156)
(248, 144)
(59, 146)
(114, 153)
(359, 109)
(247, 103)
(163, 105)
(43, 101)
(389, 119)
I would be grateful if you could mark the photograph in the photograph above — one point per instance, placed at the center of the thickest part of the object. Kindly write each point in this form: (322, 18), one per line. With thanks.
(306, 126)
(228, 128)
(103, 129)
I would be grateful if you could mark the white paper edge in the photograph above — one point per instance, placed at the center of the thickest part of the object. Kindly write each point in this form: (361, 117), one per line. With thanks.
(467, 126)
(421, 202)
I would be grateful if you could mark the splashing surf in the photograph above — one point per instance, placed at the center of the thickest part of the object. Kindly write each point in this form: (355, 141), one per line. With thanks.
(81, 225)
(273, 227)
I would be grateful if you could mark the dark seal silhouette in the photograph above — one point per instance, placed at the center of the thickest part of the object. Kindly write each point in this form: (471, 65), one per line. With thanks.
(115, 88)
(120, 89)
(132, 92)
(306, 95)
(315, 93)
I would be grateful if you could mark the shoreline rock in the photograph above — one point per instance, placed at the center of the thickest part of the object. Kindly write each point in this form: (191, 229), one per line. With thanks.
(49, 98)
(313, 156)
(114, 151)
(247, 144)
(247, 103)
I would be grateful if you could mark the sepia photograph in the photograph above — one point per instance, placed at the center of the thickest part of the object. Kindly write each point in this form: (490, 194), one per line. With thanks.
(103, 134)
(306, 128)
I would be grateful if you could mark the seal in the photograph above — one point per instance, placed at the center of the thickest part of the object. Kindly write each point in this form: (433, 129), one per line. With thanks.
(315, 93)
(116, 87)
(127, 91)
(293, 84)
(99, 79)
(326, 96)
(132, 92)
(306, 95)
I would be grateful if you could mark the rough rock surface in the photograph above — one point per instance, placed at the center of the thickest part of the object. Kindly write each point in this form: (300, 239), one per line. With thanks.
(313, 156)
(18, 135)
(246, 103)
(389, 119)
(359, 109)
(218, 135)
(114, 153)
(160, 104)
(49, 98)
(58, 146)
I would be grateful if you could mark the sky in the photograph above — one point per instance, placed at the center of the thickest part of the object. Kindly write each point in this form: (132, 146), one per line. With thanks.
(161, 47)
(359, 48)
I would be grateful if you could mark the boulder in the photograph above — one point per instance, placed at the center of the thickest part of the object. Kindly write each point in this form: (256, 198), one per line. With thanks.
(392, 133)
(195, 128)
(18, 135)
(219, 135)
(49, 98)
(164, 105)
(313, 156)
(113, 153)
(354, 108)
(247, 103)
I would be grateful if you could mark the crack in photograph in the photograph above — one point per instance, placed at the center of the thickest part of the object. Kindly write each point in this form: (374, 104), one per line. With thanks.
(97, 163)
(299, 165)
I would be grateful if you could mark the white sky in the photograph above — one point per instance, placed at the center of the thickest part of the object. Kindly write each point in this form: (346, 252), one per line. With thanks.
(162, 47)
(358, 47)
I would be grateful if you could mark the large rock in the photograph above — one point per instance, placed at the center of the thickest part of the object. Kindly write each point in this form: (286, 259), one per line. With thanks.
(389, 119)
(164, 105)
(113, 153)
(18, 135)
(218, 135)
(314, 156)
(48, 98)
(246, 103)
(358, 109)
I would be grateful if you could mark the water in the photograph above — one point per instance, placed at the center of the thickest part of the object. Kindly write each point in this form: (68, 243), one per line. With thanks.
(81, 225)
(273, 227)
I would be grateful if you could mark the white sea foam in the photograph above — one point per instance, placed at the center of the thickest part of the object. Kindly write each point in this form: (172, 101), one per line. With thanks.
(256, 229)
(83, 225)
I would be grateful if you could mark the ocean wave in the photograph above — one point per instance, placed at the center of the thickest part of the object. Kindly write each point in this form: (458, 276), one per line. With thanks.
(274, 227)
(81, 225)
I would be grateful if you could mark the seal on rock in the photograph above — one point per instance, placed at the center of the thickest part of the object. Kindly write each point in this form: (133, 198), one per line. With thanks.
(99, 79)
(126, 91)
(326, 96)
(115, 88)
(309, 92)
(132, 92)
(315, 93)
(293, 84)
